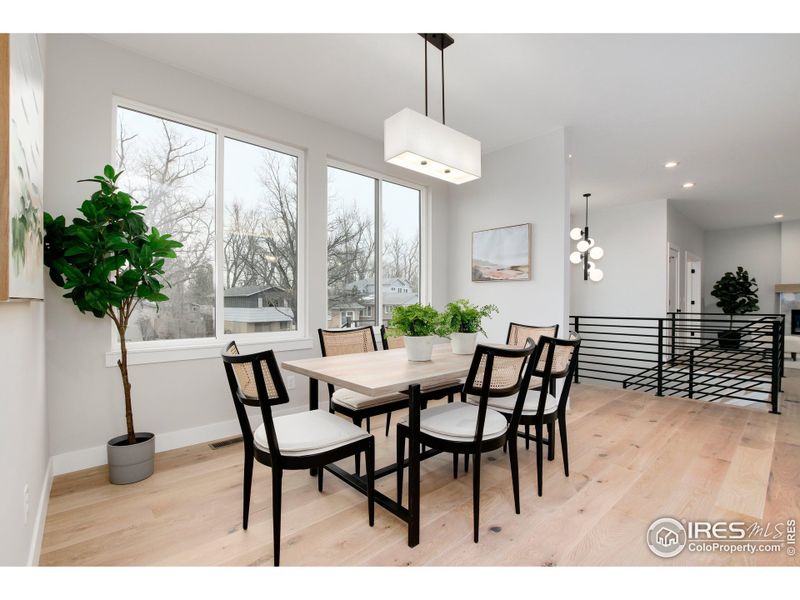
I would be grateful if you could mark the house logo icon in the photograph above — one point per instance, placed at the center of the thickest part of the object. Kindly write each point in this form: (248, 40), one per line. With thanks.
(666, 537)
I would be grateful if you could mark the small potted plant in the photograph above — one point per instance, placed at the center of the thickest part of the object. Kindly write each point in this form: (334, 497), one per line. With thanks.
(464, 321)
(109, 260)
(736, 294)
(418, 325)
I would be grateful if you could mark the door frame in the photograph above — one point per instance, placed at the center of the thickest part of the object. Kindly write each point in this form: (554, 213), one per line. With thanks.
(672, 248)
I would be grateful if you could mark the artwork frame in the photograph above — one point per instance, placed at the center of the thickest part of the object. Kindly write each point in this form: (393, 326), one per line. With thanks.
(502, 254)
(22, 171)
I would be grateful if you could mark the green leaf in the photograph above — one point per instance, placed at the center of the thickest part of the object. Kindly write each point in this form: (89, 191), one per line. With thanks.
(108, 171)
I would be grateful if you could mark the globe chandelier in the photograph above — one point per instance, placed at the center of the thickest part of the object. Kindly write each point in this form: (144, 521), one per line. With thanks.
(586, 251)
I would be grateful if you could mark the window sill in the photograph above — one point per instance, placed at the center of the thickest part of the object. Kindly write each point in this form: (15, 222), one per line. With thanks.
(144, 353)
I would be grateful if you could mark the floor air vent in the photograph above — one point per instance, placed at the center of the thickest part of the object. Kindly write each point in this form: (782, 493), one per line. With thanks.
(225, 443)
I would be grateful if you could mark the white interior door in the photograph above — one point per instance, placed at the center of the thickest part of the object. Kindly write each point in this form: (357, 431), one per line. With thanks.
(694, 297)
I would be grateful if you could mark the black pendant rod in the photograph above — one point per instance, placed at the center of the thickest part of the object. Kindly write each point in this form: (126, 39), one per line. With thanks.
(426, 75)
(441, 41)
(443, 121)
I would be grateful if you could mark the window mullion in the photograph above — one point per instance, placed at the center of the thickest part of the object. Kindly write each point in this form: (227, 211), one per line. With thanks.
(378, 252)
(219, 232)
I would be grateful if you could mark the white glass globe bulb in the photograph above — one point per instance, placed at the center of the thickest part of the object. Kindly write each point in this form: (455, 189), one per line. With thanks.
(596, 253)
(591, 242)
(575, 258)
(595, 274)
(576, 233)
(583, 246)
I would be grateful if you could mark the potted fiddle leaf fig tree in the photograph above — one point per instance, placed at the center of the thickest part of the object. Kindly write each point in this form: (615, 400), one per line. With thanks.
(464, 321)
(736, 294)
(109, 261)
(419, 325)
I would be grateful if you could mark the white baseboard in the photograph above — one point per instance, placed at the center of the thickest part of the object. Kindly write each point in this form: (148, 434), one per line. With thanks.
(41, 515)
(96, 456)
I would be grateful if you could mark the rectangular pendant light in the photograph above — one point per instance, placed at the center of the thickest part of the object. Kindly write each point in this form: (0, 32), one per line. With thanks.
(414, 141)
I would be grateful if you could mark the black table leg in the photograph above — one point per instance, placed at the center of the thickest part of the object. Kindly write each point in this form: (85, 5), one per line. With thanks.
(313, 404)
(413, 465)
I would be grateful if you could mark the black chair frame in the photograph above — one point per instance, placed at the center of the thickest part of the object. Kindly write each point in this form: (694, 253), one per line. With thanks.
(541, 420)
(478, 445)
(527, 437)
(274, 459)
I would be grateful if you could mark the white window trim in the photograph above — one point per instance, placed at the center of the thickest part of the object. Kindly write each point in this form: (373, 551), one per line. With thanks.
(425, 267)
(157, 351)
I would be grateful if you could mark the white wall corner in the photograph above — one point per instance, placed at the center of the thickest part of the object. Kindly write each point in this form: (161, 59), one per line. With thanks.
(41, 516)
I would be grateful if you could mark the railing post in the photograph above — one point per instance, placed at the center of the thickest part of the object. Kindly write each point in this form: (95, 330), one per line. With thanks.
(672, 339)
(578, 363)
(691, 373)
(776, 365)
(660, 391)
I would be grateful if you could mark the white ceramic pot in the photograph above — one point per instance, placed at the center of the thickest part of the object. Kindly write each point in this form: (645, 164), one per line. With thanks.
(419, 348)
(463, 343)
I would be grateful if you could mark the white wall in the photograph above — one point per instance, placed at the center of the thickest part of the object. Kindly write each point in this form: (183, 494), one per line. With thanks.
(757, 249)
(23, 427)
(524, 183)
(790, 252)
(85, 399)
(634, 237)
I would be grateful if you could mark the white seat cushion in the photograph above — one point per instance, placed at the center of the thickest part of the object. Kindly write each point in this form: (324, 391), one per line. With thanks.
(312, 432)
(457, 422)
(505, 404)
(356, 401)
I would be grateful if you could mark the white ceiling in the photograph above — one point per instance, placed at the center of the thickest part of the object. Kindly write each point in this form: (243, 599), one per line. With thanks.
(726, 106)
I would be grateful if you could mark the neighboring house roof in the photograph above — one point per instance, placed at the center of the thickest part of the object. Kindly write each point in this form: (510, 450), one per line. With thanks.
(250, 290)
(400, 298)
(268, 314)
(363, 283)
(345, 303)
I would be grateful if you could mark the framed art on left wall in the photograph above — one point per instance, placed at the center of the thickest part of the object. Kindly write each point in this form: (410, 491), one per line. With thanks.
(21, 168)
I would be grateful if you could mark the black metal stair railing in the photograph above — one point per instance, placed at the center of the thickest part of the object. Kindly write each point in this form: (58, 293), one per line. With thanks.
(691, 355)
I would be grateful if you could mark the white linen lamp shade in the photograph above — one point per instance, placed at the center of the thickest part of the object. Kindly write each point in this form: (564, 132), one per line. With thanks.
(416, 142)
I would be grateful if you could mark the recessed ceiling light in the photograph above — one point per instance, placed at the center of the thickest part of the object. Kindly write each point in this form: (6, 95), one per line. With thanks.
(569, 156)
(778, 216)
(671, 164)
(688, 185)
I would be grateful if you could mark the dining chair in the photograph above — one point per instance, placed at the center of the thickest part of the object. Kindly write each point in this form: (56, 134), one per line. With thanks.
(517, 335)
(297, 441)
(463, 428)
(553, 359)
(352, 404)
(437, 391)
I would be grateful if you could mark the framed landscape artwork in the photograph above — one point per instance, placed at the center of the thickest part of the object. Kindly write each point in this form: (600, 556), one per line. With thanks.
(502, 254)
(21, 168)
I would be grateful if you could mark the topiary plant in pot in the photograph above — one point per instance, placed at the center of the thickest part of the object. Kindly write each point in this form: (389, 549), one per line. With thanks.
(109, 260)
(464, 321)
(418, 325)
(736, 294)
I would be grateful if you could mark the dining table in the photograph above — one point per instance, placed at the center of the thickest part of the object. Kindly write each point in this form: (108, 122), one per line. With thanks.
(378, 374)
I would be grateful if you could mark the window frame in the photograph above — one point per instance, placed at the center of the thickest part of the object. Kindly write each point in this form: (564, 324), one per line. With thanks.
(190, 348)
(424, 233)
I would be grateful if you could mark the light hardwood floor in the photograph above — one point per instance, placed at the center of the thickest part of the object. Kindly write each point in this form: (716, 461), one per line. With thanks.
(634, 457)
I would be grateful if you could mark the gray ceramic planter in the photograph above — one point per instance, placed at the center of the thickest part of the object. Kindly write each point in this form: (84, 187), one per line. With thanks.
(131, 463)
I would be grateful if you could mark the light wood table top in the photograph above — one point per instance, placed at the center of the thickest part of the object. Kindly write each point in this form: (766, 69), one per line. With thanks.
(385, 371)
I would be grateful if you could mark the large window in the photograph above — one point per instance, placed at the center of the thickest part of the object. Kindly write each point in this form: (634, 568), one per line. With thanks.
(373, 262)
(233, 203)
